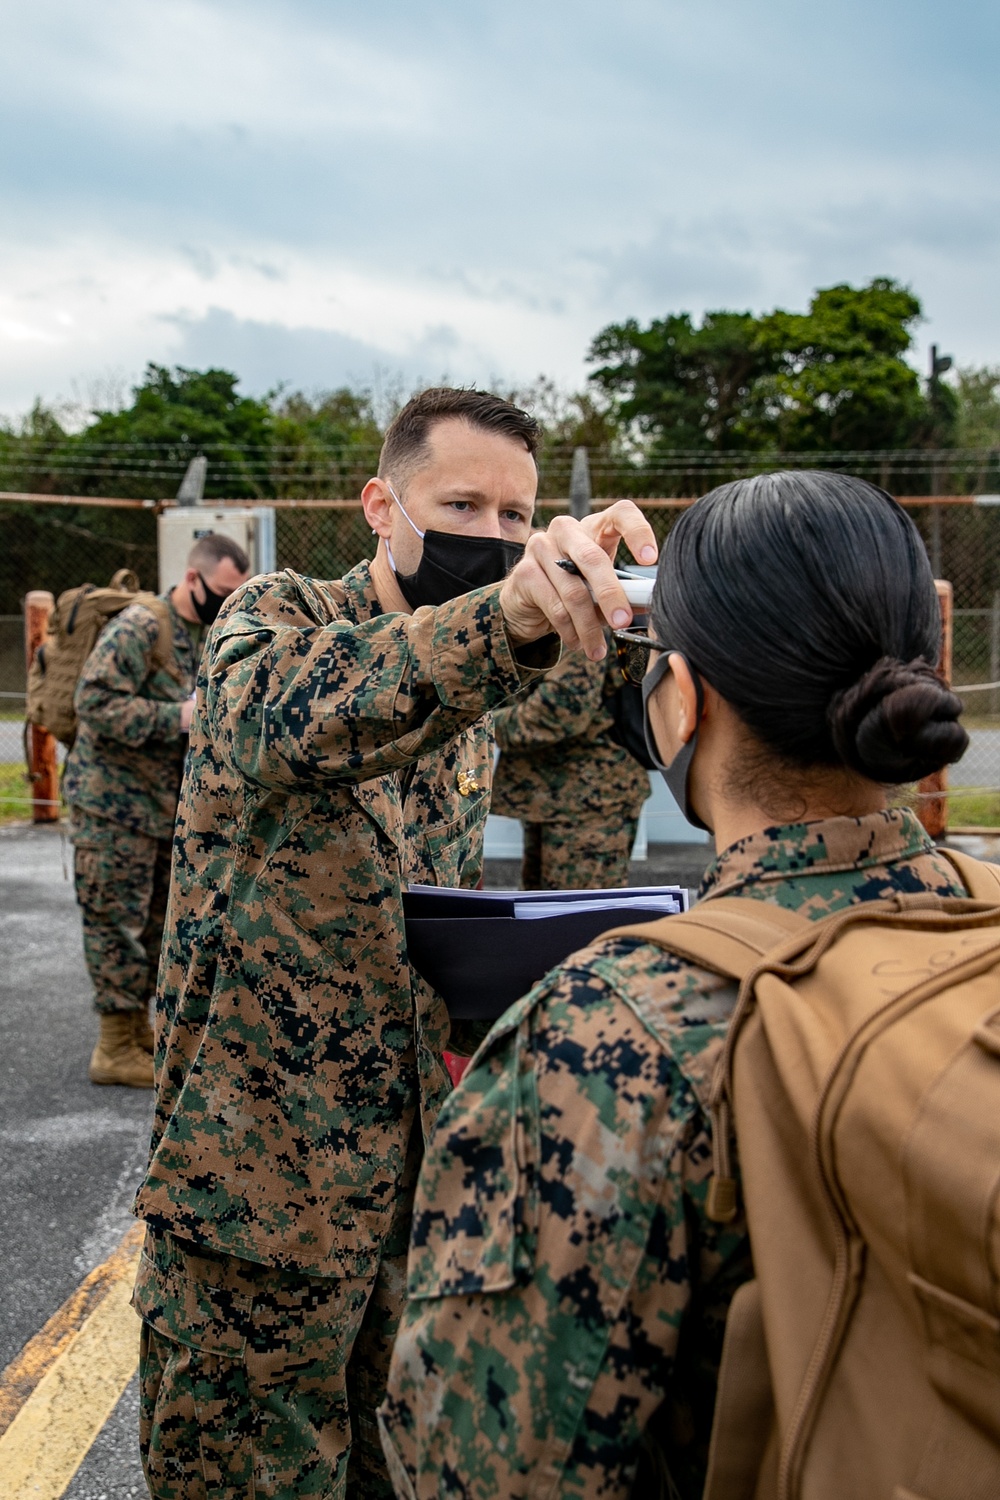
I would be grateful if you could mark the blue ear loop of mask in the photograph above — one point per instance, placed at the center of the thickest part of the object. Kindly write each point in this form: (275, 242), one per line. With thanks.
(677, 773)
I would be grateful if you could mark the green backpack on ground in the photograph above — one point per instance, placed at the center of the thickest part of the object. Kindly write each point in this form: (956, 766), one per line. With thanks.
(79, 617)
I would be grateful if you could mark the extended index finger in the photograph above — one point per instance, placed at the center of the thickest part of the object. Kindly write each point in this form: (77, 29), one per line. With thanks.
(623, 521)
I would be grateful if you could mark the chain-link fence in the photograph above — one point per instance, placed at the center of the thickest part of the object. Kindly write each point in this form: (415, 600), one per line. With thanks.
(56, 546)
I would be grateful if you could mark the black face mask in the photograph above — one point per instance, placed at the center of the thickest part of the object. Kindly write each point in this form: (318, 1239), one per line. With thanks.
(208, 608)
(678, 773)
(452, 565)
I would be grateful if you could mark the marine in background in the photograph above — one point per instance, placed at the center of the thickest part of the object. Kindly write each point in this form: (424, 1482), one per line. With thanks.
(122, 779)
(577, 792)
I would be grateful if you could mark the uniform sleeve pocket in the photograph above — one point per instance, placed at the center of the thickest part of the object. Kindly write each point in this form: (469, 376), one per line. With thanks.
(192, 1311)
(476, 1211)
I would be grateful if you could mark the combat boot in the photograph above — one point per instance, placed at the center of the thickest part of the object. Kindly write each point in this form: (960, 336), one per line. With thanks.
(116, 1058)
(142, 1032)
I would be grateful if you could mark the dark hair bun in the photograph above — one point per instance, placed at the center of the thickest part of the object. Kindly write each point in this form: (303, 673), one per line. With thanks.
(899, 722)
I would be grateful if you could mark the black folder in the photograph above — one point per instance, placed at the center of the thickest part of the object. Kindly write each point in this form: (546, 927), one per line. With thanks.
(475, 949)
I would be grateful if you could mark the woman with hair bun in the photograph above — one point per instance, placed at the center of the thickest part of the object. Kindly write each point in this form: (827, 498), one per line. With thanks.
(568, 1288)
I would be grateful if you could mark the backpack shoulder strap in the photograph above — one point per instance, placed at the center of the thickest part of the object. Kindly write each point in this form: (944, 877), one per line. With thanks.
(164, 655)
(728, 934)
(981, 880)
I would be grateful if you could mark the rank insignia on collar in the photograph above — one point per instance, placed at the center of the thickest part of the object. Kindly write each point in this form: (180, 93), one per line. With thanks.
(467, 784)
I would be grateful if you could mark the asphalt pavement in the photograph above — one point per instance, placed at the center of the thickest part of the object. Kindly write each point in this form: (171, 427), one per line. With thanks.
(70, 1154)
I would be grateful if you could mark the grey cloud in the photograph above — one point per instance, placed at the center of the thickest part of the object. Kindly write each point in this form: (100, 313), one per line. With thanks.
(575, 160)
(752, 260)
(265, 355)
(202, 259)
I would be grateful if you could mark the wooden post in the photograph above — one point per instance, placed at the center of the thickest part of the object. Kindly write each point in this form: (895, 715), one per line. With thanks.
(43, 767)
(933, 812)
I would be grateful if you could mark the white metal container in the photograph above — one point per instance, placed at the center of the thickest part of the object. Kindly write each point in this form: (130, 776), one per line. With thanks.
(178, 530)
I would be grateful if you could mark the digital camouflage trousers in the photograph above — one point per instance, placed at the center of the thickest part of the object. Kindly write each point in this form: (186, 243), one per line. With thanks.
(578, 853)
(256, 1382)
(259, 1382)
(122, 879)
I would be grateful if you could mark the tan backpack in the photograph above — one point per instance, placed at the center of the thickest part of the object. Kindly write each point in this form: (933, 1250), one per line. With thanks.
(862, 1067)
(76, 621)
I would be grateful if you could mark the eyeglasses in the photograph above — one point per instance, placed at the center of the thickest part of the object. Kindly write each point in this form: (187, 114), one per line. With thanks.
(633, 648)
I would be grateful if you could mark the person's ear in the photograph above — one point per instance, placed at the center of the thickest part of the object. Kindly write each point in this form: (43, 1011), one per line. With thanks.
(190, 579)
(686, 698)
(376, 503)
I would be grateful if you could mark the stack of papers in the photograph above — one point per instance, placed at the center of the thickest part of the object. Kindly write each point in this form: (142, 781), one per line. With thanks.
(482, 950)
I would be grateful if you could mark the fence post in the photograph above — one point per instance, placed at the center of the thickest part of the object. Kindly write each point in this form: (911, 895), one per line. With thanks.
(933, 812)
(43, 767)
(936, 567)
(995, 653)
(579, 485)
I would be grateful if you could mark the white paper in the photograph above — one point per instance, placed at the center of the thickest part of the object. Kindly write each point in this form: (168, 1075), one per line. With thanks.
(530, 911)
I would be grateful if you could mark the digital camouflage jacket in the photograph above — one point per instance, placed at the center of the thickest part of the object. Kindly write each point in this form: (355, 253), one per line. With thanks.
(128, 755)
(566, 1289)
(557, 756)
(337, 753)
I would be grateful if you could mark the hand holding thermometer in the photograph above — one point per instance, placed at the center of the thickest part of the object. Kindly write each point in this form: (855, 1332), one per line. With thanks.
(638, 591)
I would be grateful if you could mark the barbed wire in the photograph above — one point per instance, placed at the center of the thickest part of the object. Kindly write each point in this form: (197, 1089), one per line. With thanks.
(568, 446)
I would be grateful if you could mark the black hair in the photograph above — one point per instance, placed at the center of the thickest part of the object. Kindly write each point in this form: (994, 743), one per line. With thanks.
(807, 600)
(209, 550)
(405, 445)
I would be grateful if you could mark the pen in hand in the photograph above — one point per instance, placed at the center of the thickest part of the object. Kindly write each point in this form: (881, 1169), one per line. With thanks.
(638, 591)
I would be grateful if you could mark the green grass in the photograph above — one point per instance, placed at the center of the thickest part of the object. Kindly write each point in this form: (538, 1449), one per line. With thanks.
(13, 786)
(15, 793)
(974, 810)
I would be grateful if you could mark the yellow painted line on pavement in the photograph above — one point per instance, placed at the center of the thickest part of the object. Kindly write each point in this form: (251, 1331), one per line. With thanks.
(40, 1353)
(70, 1377)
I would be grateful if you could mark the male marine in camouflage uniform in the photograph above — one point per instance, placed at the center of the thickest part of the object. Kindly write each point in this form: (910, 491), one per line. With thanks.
(122, 778)
(341, 747)
(577, 792)
(560, 1238)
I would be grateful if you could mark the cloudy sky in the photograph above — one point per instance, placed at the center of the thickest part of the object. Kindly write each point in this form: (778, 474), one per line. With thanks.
(314, 192)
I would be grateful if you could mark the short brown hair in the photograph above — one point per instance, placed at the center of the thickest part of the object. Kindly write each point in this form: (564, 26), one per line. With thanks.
(209, 550)
(405, 445)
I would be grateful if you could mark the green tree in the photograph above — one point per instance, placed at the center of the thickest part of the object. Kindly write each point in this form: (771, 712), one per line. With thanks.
(324, 446)
(841, 381)
(685, 386)
(570, 419)
(144, 449)
(977, 398)
(33, 452)
(831, 378)
(977, 427)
